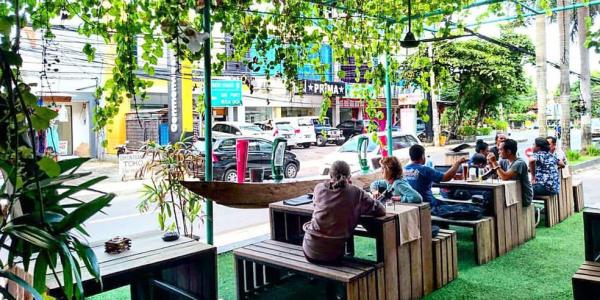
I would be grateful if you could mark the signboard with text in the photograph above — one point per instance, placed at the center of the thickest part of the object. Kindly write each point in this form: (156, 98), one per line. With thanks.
(226, 93)
(313, 87)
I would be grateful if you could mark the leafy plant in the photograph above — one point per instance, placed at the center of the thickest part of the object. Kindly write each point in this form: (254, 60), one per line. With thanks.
(42, 216)
(592, 150)
(467, 130)
(573, 155)
(178, 208)
(484, 130)
(501, 125)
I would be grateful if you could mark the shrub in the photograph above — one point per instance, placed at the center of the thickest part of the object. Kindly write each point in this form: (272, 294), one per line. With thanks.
(573, 155)
(484, 131)
(466, 130)
(593, 151)
(501, 125)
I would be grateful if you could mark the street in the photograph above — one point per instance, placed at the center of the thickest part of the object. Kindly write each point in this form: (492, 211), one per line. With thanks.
(123, 218)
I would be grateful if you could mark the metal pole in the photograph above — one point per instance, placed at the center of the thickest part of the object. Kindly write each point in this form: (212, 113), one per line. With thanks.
(208, 123)
(388, 105)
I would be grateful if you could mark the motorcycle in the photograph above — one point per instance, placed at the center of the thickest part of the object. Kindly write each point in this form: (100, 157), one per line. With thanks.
(122, 149)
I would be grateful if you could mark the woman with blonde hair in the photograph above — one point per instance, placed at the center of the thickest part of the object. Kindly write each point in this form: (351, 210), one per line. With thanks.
(337, 207)
(394, 183)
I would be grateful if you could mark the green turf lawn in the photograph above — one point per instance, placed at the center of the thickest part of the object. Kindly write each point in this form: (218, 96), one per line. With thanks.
(540, 269)
(582, 159)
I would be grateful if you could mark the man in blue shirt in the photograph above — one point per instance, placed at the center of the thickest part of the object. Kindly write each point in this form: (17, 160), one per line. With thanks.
(421, 177)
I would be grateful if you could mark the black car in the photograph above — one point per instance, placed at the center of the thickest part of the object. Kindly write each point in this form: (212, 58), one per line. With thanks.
(259, 156)
(351, 128)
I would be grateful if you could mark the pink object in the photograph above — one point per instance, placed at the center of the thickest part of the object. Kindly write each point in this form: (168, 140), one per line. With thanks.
(529, 152)
(383, 140)
(241, 153)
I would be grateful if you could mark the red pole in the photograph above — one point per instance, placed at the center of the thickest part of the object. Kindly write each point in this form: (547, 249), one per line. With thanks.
(241, 153)
(383, 140)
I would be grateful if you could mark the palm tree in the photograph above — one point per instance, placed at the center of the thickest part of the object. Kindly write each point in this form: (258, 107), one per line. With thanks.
(585, 82)
(540, 65)
(564, 18)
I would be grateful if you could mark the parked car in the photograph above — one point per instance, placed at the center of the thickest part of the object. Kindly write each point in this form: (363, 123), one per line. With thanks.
(420, 126)
(595, 127)
(304, 129)
(238, 128)
(348, 152)
(353, 127)
(259, 156)
(327, 134)
(282, 130)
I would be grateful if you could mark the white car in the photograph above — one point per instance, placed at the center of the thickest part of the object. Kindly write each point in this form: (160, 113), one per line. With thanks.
(282, 130)
(348, 152)
(303, 128)
(238, 128)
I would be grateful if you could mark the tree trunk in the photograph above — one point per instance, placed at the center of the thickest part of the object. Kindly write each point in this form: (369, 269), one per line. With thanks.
(564, 18)
(540, 65)
(584, 81)
(435, 116)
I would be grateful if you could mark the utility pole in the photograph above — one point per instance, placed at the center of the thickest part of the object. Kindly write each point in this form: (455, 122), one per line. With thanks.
(208, 122)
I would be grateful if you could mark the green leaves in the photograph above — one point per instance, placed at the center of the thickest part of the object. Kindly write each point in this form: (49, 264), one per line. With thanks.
(22, 283)
(49, 166)
(33, 235)
(83, 212)
(41, 117)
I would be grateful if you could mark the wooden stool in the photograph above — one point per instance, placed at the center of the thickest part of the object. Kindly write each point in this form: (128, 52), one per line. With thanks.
(578, 195)
(550, 204)
(445, 266)
(484, 236)
(270, 262)
(528, 222)
(586, 282)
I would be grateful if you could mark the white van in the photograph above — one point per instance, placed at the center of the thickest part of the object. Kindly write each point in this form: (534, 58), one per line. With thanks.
(303, 128)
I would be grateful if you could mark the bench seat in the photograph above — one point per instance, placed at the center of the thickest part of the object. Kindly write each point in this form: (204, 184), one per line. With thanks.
(586, 282)
(268, 263)
(551, 208)
(578, 195)
(445, 257)
(483, 235)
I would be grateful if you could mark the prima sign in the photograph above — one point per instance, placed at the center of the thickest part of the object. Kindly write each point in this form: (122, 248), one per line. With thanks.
(313, 87)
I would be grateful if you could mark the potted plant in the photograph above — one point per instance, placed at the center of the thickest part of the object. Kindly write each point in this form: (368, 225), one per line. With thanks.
(41, 223)
(178, 208)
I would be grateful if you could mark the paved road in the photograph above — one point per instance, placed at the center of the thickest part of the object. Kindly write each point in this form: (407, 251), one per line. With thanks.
(123, 217)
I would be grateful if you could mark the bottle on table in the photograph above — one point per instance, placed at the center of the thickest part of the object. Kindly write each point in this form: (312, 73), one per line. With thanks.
(429, 162)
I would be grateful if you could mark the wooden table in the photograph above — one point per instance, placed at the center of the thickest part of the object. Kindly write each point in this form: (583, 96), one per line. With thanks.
(183, 269)
(513, 225)
(407, 268)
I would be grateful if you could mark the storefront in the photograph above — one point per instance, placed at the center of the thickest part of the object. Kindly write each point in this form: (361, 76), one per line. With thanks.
(68, 133)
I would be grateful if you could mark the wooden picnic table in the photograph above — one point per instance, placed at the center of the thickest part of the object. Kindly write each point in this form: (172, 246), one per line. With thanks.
(407, 267)
(514, 224)
(182, 269)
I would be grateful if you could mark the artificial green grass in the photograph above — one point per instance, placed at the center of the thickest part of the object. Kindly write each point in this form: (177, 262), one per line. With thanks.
(540, 269)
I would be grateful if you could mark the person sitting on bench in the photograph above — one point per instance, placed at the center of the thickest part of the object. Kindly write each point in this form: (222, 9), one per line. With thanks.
(517, 168)
(557, 152)
(421, 177)
(544, 169)
(394, 182)
(338, 206)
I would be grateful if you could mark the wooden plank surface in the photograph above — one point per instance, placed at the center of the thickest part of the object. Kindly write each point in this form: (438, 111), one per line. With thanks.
(390, 259)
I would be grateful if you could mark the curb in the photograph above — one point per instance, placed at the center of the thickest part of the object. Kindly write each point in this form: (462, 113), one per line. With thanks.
(587, 164)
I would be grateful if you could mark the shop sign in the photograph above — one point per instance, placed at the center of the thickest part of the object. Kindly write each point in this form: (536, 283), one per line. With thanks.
(63, 147)
(226, 93)
(358, 90)
(350, 103)
(409, 99)
(131, 164)
(313, 87)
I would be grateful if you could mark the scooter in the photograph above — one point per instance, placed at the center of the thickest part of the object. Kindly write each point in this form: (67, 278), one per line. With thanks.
(122, 149)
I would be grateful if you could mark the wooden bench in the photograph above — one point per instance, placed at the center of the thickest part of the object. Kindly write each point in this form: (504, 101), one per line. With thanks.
(528, 222)
(586, 282)
(550, 204)
(182, 269)
(578, 195)
(445, 258)
(483, 236)
(269, 263)
(565, 196)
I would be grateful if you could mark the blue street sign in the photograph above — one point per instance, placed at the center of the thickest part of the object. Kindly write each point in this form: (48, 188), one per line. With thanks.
(226, 93)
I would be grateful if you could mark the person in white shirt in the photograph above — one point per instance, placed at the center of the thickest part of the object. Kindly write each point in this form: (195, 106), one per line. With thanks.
(557, 152)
